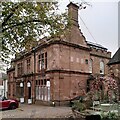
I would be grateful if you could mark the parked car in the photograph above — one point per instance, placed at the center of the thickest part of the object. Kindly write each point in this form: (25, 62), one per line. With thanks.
(8, 103)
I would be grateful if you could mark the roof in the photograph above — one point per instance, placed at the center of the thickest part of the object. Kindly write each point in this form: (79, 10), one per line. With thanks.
(115, 59)
(95, 45)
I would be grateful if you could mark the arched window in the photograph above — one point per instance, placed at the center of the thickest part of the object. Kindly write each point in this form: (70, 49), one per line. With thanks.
(91, 66)
(101, 67)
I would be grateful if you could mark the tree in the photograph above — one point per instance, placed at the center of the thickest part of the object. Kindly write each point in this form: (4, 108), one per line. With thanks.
(24, 23)
(105, 88)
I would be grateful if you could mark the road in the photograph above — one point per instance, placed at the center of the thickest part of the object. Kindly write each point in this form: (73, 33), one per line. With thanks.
(37, 111)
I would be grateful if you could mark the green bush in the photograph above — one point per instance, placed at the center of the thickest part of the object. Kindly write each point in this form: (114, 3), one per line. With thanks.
(79, 106)
(109, 116)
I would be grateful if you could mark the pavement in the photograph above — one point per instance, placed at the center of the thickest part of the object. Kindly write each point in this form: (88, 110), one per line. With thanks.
(37, 111)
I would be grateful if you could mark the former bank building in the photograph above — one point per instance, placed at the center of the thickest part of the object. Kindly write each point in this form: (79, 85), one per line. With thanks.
(58, 70)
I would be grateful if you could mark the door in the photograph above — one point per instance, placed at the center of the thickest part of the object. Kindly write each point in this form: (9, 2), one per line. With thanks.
(29, 93)
(22, 92)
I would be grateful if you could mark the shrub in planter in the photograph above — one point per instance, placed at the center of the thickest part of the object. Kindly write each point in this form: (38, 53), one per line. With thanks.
(79, 106)
(109, 116)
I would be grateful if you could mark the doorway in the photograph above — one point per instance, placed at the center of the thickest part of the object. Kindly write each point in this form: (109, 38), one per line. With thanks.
(29, 92)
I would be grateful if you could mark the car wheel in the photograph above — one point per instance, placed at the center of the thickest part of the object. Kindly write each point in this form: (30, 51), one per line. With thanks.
(13, 106)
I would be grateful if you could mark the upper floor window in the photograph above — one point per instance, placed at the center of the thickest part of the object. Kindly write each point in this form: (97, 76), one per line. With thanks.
(101, 67)
(19, 68)
(86, 61)
(42, 61)
(91, 66)
(28, 65)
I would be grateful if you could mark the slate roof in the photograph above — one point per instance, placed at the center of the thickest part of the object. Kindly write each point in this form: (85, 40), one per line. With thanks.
(115, 59)
(95, 45)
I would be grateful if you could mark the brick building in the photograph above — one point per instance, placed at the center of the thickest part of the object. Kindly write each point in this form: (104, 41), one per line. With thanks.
(114, 67)
(3, 84)
(59, 69)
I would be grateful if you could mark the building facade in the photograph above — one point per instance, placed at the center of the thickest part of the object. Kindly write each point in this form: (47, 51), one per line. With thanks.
(59, 69)
(114, 67)
(3, 84)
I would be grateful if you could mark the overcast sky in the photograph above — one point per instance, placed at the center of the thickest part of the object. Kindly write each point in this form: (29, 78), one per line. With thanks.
(100, 22)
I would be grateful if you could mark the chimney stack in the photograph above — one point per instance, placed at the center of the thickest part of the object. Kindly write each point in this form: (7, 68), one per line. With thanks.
(73, 13)
(75, 35)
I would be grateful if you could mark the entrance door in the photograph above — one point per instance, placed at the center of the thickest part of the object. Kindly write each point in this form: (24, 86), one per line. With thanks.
(29, 93)
(22, 92)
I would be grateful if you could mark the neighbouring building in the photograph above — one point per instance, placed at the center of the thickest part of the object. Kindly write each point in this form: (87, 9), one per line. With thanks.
(114, 67)
(58, 70)
(3, 84)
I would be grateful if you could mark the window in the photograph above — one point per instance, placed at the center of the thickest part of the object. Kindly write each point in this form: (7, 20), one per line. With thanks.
(46, 60)
(71, 59)
(86, 61)
(20, 69)
(42, 61)
(28, 65)
(77, 60)
(101, 67)
(91, 66)
(43, 89)
(19, 90)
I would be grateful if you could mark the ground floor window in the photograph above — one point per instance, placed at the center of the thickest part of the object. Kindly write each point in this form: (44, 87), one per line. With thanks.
(43, 89)
(19, 90)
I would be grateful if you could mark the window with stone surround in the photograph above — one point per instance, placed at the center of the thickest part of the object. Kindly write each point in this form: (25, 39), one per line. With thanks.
(91, 66)
(19, 69)
(42, 61)
(28, 62)
(43, 89)
(19, 92)
(102, 67)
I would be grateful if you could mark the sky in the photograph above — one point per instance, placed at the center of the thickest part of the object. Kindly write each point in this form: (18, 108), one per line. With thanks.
(98, 22)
